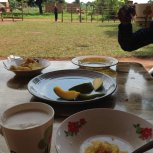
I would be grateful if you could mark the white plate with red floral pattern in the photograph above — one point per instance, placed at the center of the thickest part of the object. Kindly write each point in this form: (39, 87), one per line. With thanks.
(85, 130)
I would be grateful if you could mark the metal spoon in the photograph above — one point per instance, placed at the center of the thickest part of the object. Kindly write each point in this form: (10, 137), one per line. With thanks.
(144, 148)
(12, 57)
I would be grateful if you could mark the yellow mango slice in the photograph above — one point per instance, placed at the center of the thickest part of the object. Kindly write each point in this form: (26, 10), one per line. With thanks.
(66, 95)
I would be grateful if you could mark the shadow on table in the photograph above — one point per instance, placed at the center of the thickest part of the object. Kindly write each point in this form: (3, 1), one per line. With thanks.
(69, 109)
(19, 83)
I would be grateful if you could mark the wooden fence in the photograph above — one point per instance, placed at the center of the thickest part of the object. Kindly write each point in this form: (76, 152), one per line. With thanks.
(84, 14)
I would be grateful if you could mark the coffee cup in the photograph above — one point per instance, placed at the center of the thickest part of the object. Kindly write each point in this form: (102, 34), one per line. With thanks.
(27, 127)
(144, 13)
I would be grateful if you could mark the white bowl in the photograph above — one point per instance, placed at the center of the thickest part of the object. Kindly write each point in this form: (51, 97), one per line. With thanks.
(17, 61)
(113, 126)
(91, 61)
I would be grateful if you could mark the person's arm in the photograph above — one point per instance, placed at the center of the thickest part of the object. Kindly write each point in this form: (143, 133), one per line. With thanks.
(130, 41)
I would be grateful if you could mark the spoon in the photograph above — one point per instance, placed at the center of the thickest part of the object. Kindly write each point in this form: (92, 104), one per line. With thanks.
(12, 57)
(144, 147)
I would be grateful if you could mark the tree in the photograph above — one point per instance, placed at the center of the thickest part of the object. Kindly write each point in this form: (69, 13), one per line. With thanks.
(60, 1)
(31, 3)
(114, 5)
(12, 3)
(150, 1)
(77, 1)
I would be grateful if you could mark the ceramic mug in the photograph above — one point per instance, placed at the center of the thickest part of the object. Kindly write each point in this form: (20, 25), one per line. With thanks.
(27, 127)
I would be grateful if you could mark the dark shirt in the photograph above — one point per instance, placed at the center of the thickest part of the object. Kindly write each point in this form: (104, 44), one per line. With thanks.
(38, 2)
(55, 10)
(130, 41)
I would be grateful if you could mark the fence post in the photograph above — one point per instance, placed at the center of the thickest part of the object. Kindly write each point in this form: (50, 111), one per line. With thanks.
(71, 14)
(86, 12)
(80, 15)
(22, 9)
(62, 14)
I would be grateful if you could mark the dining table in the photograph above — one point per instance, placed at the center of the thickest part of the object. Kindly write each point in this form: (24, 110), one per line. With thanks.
(134, 93)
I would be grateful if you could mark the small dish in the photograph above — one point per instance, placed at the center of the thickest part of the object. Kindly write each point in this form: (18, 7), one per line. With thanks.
(123, 129)
(94, 61)
(18, 61)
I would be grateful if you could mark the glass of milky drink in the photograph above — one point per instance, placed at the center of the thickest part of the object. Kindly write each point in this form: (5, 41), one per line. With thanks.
(27, 127)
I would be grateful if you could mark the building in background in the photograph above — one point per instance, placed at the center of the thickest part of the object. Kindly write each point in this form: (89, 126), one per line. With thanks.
(4, 5)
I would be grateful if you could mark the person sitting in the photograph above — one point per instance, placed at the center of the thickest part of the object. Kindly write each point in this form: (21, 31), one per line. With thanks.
(129, 40)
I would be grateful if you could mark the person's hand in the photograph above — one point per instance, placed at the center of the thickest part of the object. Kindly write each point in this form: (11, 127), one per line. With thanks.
(126, 13)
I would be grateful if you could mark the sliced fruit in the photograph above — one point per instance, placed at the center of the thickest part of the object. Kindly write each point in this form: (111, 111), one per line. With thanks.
(89, 96)
(97, 84)
(67, 95)
(83, 88)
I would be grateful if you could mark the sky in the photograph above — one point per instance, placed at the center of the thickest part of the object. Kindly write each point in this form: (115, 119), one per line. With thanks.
(138, 1)
(85, 1)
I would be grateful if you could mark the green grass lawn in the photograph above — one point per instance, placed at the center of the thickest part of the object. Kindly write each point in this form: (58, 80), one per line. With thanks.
(45, 38)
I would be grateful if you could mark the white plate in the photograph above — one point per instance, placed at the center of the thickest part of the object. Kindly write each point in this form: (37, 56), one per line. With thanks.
(77, 132)
(42, 86)
(94, 61)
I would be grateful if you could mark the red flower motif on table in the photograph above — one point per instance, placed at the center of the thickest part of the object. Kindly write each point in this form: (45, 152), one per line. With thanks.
(144, 133)
(74, 127)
